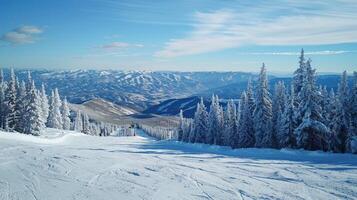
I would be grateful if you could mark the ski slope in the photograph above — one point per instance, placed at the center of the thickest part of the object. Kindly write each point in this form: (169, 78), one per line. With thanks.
(69, 165)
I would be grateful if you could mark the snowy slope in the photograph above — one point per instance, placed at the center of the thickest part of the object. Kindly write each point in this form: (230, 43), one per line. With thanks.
(86, 167)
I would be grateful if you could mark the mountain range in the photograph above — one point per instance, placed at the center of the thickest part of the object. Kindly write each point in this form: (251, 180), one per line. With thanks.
(152, 92)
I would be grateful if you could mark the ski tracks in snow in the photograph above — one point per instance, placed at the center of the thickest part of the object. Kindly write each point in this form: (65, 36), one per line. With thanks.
(142, 168)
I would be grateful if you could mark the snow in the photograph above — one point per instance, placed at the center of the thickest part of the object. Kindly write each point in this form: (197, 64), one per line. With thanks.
(70, 165)
(51, 136)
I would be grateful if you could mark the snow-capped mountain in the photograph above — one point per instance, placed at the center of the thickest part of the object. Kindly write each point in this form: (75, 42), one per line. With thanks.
(136, 89)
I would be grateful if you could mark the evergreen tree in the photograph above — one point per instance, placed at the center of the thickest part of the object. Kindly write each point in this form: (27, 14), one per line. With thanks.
(231, 124)
(353, 115)
(78, 122)
(180, 130)
(338, 117)
(29, 82)
(298, 79)
(23, 100)
(186, 130)
(44, 104)
(2, 100)
(263, 113)
(200, 124)
(311, 132)
(86, 124)
(33, 113)
(215, 123)
(65, 115)
(245, 137)
(192, 133)
(325, 102)
(55, 117)
(286, 124)
(279, 102)
(335, 125)
(250, 96)
(10, 103)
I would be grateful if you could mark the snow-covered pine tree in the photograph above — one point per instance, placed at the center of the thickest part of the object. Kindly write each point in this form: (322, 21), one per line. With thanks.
(192, 134)
(10, 103)
(211, 122)
(200, 124)
(250, 96)
(331, 105)
(219, 139)
(245, 137)
(297, 83)
(65, 115)
(353, 117)
(215, 123)
(226, 129)
(55, 117)
(180, 126)
(279, 101)
(286, 124)
(78, 122)
(325, 104)
(29, 82)
(231, 124)
(187, 130)
(263, 113)
(2, 99)
(334, 122)
(246, 127)
(33, 115)
(299, 74)
(339, 124)
(23, 100)
(86, 124)
(44, 104)
(311, 132)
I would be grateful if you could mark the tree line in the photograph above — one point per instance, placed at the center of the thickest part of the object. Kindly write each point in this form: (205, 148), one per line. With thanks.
(28, 110)
(302, 115)
(159, 132)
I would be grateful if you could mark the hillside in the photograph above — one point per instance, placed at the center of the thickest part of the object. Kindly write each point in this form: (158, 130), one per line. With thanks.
(102, 110)
(173, 106)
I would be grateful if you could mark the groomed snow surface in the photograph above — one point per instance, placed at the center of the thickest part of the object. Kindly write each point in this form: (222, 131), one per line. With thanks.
(69, 165)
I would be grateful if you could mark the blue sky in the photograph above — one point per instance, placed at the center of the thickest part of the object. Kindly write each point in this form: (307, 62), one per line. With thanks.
(184, 35)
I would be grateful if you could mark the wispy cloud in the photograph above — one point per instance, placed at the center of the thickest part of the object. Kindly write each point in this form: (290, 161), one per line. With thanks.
(22, 35)
(291, 53)
(118, 45)
(298, 23)
(113, 49)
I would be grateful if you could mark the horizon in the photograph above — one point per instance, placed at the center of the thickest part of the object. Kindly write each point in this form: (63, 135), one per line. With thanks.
(269, 72)
(178, 36)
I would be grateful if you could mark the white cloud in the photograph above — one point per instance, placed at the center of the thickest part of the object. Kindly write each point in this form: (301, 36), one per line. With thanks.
(305, 23)
(21, 35)
(29, 30)
(119, 45)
